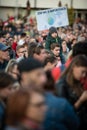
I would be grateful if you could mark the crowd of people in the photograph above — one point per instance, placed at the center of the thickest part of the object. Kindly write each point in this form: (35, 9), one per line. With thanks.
(43, 76)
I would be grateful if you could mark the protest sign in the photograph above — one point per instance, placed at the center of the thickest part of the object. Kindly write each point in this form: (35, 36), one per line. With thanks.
(56, 17)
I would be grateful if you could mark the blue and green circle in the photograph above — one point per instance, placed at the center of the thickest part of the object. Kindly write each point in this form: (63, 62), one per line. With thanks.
(50, 20)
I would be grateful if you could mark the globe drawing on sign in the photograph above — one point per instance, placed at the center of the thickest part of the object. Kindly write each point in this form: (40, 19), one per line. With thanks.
(50, 20)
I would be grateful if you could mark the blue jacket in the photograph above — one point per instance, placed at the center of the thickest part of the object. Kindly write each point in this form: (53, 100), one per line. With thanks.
(60, 114)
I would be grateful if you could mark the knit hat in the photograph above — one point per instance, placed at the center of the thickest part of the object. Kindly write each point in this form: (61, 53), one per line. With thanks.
(52, 30)
(28, 64)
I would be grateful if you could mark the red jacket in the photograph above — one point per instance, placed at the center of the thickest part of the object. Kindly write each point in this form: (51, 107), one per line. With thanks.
(56, 72)
(14, 46)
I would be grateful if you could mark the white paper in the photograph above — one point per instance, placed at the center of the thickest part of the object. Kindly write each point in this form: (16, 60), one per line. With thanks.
(56, 17)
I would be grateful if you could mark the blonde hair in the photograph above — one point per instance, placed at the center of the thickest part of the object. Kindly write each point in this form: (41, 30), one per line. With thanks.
(10, 65)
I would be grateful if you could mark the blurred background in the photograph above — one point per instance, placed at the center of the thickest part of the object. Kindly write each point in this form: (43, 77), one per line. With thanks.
(17, 8)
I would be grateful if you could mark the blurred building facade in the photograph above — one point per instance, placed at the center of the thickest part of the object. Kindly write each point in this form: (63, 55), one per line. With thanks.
(15, 7)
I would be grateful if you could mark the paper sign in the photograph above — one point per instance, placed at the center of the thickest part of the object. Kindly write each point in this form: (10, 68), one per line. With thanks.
(56, 17)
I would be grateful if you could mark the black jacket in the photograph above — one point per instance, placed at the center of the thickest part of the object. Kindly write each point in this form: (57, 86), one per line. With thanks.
(64, 90)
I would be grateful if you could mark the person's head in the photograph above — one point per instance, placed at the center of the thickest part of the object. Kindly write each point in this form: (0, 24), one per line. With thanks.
(80, 49)
(50, 84)
(10, 41)
(12, 68)
(40, 53)
(50, 62)
(77, 68)
(7, 35)
(64, 46)
(22, 42)
(37, 107)
(6, 84)
(23, 35)
(31, 72)
(53, 32)
(23, 105)
(4, 52)
(31, 49)
(55, 48)
(21, 51)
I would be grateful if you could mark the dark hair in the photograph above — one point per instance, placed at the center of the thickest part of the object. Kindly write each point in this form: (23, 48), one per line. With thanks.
(34, 48)
(53, 45)
(23, 34)
(50, 59)
(50, 81)
(63, 41)
(6, 80)
(80, 48)
(38, 49)
(31, 49)
(28, 64)
(1, 35)
(52, 30)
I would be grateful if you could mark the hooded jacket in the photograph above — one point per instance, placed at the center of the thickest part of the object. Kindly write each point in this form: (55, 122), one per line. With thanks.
(50, 40)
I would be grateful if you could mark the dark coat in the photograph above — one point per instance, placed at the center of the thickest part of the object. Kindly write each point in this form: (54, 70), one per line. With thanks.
(50, 40)
(3, 65)
(65, 91)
